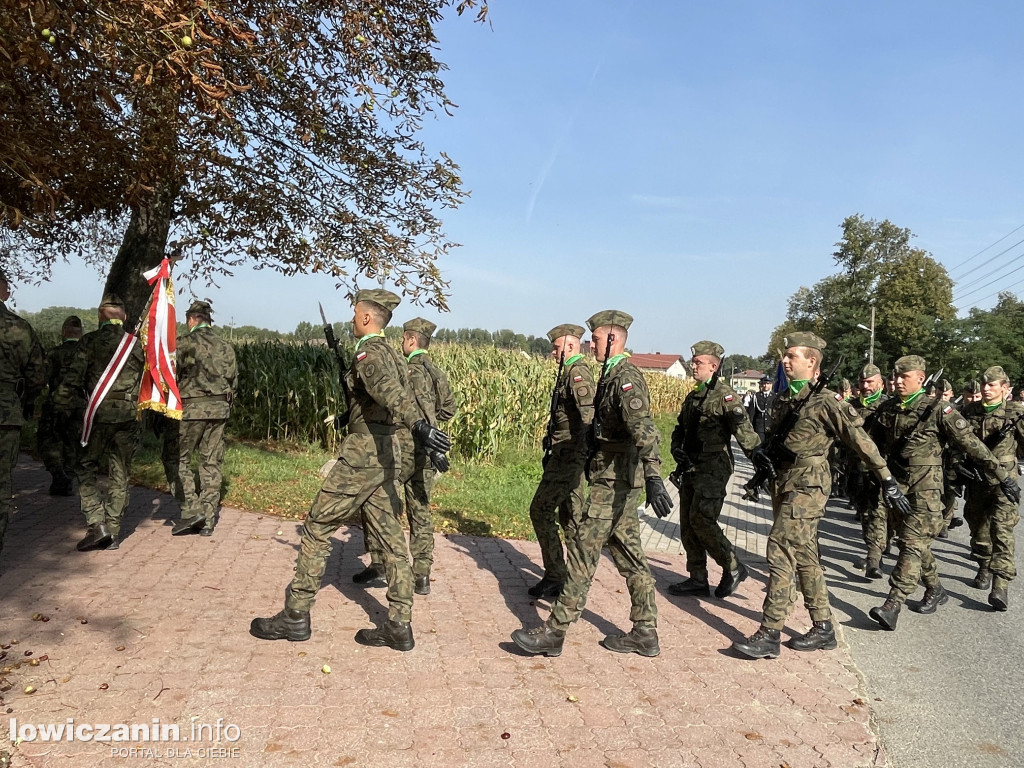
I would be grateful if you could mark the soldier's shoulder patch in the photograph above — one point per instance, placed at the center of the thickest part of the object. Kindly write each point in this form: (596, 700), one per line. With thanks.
(636, 403)
(838, 397)
(948, 410)
(577, 379)
(368, 370)
(960, 423)
(627, 386)
(852, 410)
(360, 357)
(738, 411)
(728, 398)
(582, 391)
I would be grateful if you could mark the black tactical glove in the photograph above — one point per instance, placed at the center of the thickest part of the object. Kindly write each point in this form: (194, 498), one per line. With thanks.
(763, 463)
(657, 497)
(430, 438)
(1010, 489)
(893, 497)
(439, 460)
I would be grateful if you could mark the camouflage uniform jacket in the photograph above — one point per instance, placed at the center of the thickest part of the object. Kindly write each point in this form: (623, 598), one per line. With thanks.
(623, 425)
(987, 425)
(868, 414)
(575, 410)
(58, 360)
(822, 421)
(21, 367)
(430, 388)
(379, 389)
(913, 439)
(207, 374)
(707, 419)
(94, 352)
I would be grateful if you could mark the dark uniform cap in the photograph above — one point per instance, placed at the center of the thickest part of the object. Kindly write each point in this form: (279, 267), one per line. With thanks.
(610, 317)
(767, 380)
(111, 300)
(419, 325)
(380, 297)
(947, 386)
(566, 329)
(707, 348)
(200, 308)
(870, 370)
(804, 339)
(909, 363)
(994, 375)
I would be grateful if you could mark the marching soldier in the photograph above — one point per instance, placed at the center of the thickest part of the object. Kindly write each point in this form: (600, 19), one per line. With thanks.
(951, 484)
(709, 417)
(558, 499)
(624, 459)
(990, 514)
(57, 440)
(864, 489)
(911, 430)
(207, 378)
(362, 484)
(799, 494)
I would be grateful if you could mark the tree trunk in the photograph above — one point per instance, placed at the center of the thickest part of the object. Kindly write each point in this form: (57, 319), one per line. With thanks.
(142, 248)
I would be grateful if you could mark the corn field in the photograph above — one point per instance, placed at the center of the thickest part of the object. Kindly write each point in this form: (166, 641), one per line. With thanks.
(290, 392)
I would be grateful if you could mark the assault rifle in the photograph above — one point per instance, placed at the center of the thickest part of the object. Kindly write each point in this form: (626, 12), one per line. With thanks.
(967, 469)
(595, 427)
(555, 395)
(341, 417)
(683, 461)
(775, 448)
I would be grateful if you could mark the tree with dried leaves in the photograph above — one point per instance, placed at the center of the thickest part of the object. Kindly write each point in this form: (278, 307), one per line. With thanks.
(279, 133)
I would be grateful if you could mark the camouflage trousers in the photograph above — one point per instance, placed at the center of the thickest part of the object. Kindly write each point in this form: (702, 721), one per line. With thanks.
(117, 442)
(609, 519)
(205, 438)
(793, 557)
(57, 440)
(362, 485)
(949, 503)
(417, 511)
(169, 432)
(699, 509)
(10, 439)
(558, 500)
(992, 519)
(917, 531)
(406, 468)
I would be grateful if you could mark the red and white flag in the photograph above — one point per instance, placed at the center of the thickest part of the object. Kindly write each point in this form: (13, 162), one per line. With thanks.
(159, 390)
(107, 379)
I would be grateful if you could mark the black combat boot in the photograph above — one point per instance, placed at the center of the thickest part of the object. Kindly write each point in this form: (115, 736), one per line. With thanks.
(873, 570)
(887, 614)
(286, 625)
(998, 597)
(62, 485)
(692, 586)
(188, 525)
(370, 576)
(393, 634)
(115, 542)
(542, 639)
(98, 537)
(956, 522)
(546, 588)
(642, 640)
(984, 578)
(422, 585)
(820, 637)
(933, 598)
(731, 580)
(763, 644)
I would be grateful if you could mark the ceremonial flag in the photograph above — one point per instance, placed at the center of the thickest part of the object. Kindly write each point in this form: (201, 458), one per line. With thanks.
(159, 389)
(781, 383)
(107, 379)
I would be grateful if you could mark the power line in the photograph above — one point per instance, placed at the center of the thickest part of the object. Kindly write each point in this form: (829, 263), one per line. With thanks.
(990, 282)
(1001, 290)
(989, 261)
(997, 242)
(964, 286)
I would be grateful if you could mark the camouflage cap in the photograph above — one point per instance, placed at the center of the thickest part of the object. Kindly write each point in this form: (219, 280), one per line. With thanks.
(870, 370)
(994, 375)
(199, 307)
(707, 348)
(972, 387)
(385, 299)
(947, 385)
(845, 384)
(610, 317)
(566, 329)
(420, 325)
(909, 363)
(804, 339)
(111, 300)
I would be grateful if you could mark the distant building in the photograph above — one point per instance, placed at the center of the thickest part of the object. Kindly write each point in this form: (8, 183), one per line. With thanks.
(667, 365)
(745, 381)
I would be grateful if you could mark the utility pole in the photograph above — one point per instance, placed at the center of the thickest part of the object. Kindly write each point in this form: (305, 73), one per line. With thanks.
(871, 348)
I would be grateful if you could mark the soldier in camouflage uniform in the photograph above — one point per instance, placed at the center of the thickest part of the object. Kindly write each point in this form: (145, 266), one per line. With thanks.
(115, 430)
(864, 490)
(207, 377)
(363, 483)
(799, 495)
(21, 379)
(623, 460)
(709, 417)
(989, 513)
(57, 440)
(911, 431)
(952, 486)
(558, 499)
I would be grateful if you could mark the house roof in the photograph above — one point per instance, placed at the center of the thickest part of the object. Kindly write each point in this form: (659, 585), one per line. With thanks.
(748, 374)
(655, 362)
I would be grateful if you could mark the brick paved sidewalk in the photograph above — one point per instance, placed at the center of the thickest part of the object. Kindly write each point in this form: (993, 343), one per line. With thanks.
(167, 637)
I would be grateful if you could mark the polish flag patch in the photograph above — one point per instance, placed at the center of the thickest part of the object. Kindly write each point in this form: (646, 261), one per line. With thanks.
(577, 379)
(360, 356)
(948, 409)
(839, 397)
(626, 387)
(728, 398)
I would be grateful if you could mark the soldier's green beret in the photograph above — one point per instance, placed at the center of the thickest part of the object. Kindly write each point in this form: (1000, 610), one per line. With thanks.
(384, 299)
(419, 325)
(909, 363)
(201, 308)
(112, 300)
(947, 386)
(707, 348)
(566, 329)
(994, 375)
(804, 339)
(610, 317)
(870, 370)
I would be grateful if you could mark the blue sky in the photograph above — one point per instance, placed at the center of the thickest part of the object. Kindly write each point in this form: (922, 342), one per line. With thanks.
(691, 162)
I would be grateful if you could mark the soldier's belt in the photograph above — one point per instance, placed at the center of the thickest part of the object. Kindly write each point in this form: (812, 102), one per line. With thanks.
(205, 399)
(919, 461)
(809, 461)
(714, 447)
(127, 396)
(362, 428)
(614, 447)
